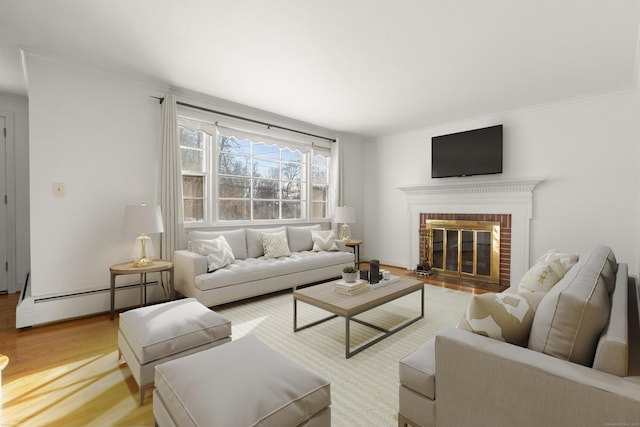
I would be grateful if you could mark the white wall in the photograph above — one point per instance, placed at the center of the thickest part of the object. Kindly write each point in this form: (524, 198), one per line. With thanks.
(17, 107)
(99, 135)
(587, 151)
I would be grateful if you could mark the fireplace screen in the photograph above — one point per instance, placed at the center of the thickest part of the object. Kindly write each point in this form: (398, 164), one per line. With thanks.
(465, 248)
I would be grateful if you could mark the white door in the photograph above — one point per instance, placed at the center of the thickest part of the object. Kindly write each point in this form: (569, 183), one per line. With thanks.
(4, 226)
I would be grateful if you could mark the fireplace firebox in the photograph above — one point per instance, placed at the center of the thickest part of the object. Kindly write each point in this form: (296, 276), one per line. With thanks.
(464, 248)
(468, 246)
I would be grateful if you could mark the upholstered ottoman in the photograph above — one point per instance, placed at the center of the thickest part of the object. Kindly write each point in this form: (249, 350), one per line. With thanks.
(242, 383)
(151, 335)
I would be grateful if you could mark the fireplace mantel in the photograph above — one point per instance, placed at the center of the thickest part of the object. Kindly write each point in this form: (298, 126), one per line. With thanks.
(514, 197)
(497, 186)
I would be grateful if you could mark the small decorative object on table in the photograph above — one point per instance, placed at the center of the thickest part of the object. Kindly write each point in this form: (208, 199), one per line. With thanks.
(349, 274)
(374, 271)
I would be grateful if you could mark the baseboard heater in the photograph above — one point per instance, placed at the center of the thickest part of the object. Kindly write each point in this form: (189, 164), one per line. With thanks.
(32, 311)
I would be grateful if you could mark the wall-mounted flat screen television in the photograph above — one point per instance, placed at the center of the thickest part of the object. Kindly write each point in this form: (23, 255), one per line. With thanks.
(473, 152)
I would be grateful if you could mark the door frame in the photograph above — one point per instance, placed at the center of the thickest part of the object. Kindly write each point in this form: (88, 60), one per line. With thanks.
(9, 206)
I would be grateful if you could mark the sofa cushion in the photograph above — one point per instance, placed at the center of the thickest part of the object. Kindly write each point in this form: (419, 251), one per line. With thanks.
(217, 251)
(418, 370)
(255, 249)
(236, 239)
(570, 318)
(300, 237)
(252, 269)
(275, 245)
(324, 240)
(542, 276)
(157, 331)
(504, 316)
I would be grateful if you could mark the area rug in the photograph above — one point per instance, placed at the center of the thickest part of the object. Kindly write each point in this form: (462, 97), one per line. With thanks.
(364, 388)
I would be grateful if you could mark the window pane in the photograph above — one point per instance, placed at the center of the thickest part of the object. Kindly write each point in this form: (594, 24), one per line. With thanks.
(291, 210)
(232, 187)
(291, 171)
(192, 160)
(320, 194)
(193, 210)
(234, 210)
(320, 161)
(320, 170)
(194, 139)
(232, 164)
(192, 186)
(318, 210)
(291, 190)
(293, 156)
(233, 145)
(265, 189)
(266, 168)
(266, 209)
(261, 149)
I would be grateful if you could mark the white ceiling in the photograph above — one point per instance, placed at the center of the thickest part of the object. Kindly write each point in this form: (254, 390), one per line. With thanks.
(368, 67)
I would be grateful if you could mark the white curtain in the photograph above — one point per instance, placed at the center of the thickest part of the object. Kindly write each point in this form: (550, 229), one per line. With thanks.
(171, 180)
(336, 190)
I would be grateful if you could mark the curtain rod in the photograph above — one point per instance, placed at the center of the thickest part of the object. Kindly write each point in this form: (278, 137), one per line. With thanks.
(246, 119)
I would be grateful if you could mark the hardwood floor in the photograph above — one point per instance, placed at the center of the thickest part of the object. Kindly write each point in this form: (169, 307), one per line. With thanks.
(67, 374)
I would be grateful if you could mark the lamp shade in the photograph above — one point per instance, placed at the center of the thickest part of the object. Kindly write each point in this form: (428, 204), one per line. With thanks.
(145, 219)
(345, 215)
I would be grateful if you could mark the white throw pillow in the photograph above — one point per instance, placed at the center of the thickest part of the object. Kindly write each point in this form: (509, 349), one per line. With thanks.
(542, 276)
(324, 241)
(567, 260)
(217, 251)
(275, 245)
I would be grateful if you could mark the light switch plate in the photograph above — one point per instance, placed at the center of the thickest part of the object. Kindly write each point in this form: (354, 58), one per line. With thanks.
(58, 189)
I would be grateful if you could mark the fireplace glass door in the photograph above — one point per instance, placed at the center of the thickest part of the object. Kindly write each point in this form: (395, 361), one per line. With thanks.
(466, 249)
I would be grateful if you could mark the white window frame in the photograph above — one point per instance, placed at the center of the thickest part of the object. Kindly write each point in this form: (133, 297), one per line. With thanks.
(211, 207)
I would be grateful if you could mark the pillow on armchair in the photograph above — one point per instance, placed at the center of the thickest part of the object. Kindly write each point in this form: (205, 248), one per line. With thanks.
(505, 316)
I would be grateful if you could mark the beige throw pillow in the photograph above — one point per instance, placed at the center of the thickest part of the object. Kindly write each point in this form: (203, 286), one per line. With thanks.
(275, 245)
(218, 252)
(567, 260)
(505, 316)
(542, 276)
(324, 241)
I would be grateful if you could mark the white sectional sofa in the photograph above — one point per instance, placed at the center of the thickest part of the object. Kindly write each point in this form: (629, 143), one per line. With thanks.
(252, 273)
(578, 364)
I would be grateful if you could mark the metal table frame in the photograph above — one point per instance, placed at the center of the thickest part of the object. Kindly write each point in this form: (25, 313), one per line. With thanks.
(349, 318)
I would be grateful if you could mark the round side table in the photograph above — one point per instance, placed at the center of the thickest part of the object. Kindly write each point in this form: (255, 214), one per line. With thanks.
(158, 266)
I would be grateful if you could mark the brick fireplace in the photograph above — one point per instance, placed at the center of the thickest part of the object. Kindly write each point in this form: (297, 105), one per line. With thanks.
(508, 202)
(503, 269)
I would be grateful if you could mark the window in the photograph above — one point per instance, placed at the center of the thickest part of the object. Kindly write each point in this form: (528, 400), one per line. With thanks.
(230, 176)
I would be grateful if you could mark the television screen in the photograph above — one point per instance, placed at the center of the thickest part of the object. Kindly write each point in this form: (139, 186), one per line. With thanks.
(473, 152)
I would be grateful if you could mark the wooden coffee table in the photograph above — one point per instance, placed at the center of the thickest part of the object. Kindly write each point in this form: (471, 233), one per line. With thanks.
(325, 297)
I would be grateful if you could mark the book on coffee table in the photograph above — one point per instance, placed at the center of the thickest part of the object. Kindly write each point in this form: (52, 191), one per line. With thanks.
(345, 288)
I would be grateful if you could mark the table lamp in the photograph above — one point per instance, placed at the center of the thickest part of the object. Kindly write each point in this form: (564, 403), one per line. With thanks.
(143, 220)
(346, 216)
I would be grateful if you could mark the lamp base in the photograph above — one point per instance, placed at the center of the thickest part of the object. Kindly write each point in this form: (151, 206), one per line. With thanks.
(345, 233)
(144, 262)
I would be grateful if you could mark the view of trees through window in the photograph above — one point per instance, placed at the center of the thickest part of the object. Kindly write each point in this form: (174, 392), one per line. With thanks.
(254, 180)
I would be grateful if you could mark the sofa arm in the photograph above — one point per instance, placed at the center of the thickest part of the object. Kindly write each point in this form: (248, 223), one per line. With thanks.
(187, 265)
(485, 382)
